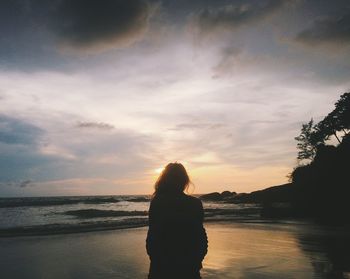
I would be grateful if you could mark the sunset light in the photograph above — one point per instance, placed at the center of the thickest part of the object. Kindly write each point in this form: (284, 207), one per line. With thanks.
(158, 170)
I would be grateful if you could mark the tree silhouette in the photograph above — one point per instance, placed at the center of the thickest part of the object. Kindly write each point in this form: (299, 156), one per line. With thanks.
(312, 135)
(307, 141)
(329, 126)
(336, 121)
(342, 108)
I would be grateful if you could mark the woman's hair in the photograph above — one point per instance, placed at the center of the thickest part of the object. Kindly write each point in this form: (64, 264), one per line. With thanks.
(173, 180)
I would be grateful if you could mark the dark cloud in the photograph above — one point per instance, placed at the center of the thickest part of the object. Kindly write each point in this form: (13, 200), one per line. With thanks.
(16, 131)
(232, 16)
(330, 30)
(23, 39)
(20, 184)
(32, 31)
(19, 157)
(25, 183)
(91, 24)
(95, 125)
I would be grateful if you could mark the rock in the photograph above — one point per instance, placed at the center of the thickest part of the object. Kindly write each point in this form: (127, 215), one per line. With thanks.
(227, 194)
(215, 196)
(282, 193)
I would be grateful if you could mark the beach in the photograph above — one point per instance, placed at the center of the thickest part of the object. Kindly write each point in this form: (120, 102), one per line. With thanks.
(236, 250)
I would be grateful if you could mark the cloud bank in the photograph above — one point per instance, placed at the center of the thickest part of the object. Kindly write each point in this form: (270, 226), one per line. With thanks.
(232, 16)
(333, 30)
(14, 131)
(34, 156)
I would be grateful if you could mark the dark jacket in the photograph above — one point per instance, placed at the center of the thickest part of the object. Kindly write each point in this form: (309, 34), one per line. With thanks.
(176, 240)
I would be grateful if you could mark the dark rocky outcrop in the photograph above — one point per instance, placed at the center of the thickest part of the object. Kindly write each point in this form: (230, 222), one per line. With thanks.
(282, 193)
(228, 194)
(216, 196)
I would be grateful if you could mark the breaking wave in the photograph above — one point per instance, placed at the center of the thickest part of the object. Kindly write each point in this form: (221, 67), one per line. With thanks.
(96, 213)
(56, 201)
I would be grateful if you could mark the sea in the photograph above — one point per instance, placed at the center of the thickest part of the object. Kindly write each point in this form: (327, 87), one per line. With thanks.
(55, 215)
(46, 237)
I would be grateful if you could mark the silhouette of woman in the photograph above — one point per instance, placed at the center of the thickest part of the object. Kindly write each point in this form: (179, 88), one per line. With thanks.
(176, 239)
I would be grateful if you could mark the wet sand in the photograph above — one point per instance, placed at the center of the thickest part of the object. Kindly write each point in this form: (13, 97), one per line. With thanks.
(236, 250)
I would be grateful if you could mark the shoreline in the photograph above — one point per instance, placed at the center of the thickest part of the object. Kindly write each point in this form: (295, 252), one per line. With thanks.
(51, 230)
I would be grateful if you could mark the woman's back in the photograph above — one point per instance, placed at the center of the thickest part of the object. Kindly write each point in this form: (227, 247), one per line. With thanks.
(176, 240)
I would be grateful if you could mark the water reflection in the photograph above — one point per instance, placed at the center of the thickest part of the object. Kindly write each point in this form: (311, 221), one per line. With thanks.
(328, 250)
(276, 251)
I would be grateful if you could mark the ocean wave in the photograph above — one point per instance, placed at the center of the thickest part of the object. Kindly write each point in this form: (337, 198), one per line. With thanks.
(133, 219)
(245, 211)
(138, 199)
(56, 201)
(96, 213)
(208, 212)
(73, 228)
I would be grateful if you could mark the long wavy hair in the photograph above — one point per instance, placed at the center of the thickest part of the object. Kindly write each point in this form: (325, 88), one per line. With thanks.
(173, 180)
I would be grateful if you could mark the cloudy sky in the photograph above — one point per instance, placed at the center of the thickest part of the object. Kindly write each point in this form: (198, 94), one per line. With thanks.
(96, 96)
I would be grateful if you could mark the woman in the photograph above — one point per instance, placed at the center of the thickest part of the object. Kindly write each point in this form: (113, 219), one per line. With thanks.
(176, 240)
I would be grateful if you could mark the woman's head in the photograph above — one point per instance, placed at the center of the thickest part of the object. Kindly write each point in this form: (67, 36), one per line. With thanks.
(173, 180)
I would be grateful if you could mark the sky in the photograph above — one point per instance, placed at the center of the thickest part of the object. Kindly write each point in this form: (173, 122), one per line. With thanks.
(97, 96)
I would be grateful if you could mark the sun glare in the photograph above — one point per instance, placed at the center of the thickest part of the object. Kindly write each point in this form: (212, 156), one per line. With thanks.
(158, 170)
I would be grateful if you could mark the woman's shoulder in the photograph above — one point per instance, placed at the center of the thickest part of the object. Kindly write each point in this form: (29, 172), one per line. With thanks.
(193, 199)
